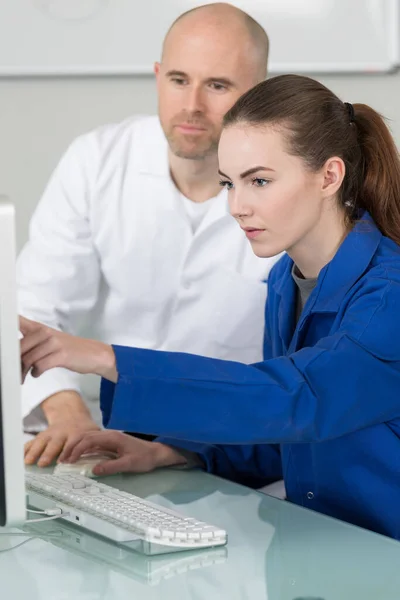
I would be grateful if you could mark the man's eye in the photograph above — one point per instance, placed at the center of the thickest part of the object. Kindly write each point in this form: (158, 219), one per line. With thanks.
(226, 184)
(178, 80)
(218, 86)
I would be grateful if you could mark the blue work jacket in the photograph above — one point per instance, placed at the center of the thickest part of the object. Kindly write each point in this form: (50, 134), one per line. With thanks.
(327, 393)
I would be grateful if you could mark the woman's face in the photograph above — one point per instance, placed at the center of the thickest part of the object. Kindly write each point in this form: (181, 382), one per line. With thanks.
(274, 197)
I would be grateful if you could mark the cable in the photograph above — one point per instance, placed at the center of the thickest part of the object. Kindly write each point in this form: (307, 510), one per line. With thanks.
(48, 511)
(51, 513)
(17, 545)
(55, 534)
(63, 514)
(37, 535)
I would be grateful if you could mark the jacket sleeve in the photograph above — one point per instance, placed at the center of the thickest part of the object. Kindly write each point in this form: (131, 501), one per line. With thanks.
(58, 270)
(252, 466)
(318, 393)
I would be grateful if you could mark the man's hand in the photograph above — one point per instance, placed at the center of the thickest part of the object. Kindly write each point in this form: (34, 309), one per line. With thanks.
(133, 455)
(67, 417)
(43, 348)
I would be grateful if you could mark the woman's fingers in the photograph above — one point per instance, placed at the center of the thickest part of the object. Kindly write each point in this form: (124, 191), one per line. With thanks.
(70, 445)
(27, 326)
(33, 358)
(113, 466)
(30, 340)
(98, 441)
(41, 348)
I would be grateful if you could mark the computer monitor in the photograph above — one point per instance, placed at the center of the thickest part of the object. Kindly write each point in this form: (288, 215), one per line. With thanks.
(12, 485)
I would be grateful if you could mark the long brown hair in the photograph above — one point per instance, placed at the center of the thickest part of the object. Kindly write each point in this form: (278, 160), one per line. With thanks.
(318, 126)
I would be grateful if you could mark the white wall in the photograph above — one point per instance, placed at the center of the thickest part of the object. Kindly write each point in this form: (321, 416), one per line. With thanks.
(39, 117)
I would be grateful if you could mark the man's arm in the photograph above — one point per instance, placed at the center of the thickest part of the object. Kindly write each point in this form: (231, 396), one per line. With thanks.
(58, 275)
(58, 271)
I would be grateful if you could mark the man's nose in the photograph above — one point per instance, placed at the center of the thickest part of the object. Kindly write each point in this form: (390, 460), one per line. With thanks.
(195, 100)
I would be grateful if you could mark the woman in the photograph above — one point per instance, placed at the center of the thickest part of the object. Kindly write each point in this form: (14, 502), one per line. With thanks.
(320, 179)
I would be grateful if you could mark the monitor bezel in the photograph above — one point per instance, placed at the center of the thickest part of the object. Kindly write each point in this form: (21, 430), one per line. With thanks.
(13, 500)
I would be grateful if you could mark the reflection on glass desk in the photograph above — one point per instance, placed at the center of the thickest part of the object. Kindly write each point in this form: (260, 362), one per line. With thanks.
(276, 551)
(120, 557)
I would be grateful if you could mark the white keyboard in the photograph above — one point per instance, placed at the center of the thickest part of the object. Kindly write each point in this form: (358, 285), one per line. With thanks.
(117, 515)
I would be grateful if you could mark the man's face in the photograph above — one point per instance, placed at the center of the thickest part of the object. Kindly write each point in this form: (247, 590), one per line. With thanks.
(201, 76)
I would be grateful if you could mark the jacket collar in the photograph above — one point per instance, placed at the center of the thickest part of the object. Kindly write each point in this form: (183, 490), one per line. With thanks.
(334, 281)
(339, 275)
(348, 265)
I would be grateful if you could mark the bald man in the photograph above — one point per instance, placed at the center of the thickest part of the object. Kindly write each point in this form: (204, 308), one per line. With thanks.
(132, 239)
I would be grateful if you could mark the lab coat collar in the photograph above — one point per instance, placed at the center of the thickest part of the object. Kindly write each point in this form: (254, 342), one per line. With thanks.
(219, 210)
(153, 160)
(340, 274)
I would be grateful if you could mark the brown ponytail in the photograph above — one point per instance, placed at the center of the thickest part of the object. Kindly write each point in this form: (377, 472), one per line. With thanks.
(380, 183)
(317, 126)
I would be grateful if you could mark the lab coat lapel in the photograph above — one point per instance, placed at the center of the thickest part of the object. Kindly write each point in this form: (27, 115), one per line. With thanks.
(158, 189)
(219, 210)
(153, 161)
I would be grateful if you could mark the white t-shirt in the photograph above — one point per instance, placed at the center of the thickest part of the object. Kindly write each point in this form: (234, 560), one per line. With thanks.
(196, 211)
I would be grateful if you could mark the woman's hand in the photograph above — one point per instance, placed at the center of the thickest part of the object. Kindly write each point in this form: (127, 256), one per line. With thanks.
(43, 348)
(133, 455)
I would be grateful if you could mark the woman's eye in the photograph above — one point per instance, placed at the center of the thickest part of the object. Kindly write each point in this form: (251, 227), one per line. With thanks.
(226, 184)
(260, 182)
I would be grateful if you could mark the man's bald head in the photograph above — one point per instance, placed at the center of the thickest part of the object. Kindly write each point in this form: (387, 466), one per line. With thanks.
(221, 16)
(211, 56)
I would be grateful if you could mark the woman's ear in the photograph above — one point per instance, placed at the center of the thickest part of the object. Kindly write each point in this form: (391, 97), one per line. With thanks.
(333, 172)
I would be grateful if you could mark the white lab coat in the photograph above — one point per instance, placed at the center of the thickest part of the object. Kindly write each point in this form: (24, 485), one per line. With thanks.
(111, 249)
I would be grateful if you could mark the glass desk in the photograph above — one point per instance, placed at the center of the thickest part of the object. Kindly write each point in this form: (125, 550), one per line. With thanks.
(275, 550)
